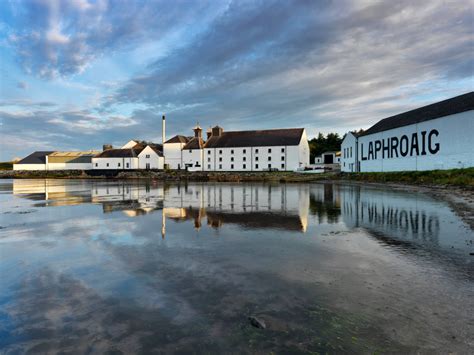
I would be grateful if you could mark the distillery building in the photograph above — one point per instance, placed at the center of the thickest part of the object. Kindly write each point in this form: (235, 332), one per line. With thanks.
(437, 136)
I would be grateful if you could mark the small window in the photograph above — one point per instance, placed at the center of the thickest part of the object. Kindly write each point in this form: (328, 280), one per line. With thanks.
(107, 164)
(209, 166)
(256, 166)
(283, 166)
(119, 165)
(190, 151)
(244, 158)
(269, 166)
(269, 158)
(256, 158)
(244, 166)
(220, 159)
(269, 150)
(148, 156)
(231, 158)
(208, 152)
(245, 151)
(283, 158)
(128, 165)
(231, 151)
(256, 150)
(351, 152)
(282, 150)
(96, 164)
(208, 160)
(220, 166)
(232, 166)
(220, 151)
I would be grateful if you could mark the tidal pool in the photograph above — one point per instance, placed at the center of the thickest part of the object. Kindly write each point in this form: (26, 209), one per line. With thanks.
(145, 267)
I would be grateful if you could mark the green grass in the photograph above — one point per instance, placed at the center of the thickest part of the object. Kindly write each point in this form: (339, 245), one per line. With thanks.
(7, 165)
(455, 177)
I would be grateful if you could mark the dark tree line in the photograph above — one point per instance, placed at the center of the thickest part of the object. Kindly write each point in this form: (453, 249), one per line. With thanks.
(321, 144)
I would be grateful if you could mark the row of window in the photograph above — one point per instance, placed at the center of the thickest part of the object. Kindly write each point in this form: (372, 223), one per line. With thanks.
(127, 165)
(245, 151)
(347, 153)
(245, 159)
(244, 166)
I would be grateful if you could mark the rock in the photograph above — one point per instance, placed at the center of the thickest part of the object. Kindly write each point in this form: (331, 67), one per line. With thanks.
(257, 323)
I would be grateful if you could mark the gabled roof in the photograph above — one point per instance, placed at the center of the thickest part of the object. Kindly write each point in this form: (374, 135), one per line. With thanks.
(156, 148)
(195, 143)
(447, 107)
(178, 139)
(261, 138)
(38, 157)
(120, 153)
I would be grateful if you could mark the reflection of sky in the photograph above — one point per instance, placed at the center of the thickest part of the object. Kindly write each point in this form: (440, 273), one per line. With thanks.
(73, 269)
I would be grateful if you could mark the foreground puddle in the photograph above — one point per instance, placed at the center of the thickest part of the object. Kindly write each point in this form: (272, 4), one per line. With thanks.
(140, 266)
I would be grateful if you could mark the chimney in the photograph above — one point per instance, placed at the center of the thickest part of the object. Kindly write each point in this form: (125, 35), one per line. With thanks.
(163, 132)
(107, 147)
(209, 133)
(217, 131)
(197, 131)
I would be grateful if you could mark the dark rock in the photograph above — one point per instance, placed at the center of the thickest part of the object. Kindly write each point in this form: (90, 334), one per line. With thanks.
(257, 323)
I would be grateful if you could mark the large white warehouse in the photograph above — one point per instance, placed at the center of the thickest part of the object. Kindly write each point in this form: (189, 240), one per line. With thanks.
(437, 136)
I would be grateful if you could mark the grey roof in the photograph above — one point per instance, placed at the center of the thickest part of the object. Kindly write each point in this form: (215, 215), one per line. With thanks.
(178, 139)
(195, 143)
(447, 107)
(35, 158)
(121, 153)
(261, 138)
(157, 148)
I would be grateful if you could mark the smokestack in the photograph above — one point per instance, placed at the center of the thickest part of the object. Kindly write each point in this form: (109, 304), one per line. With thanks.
(163, 127)
(197, 131)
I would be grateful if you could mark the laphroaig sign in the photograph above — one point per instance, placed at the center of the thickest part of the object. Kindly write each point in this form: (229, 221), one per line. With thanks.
(421, 143)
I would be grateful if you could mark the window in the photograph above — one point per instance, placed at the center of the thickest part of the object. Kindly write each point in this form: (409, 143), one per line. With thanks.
(119, 165)
(269, 166)
(107, 164)
(244, 166)
(220, 159)
(269, 158)
(232, 166)
(245, 151)
(283, 166)
(208, 152)
(256, 150)
(190, 151)
(209, 166)
(231, 158)
(96, 164)
(128, 165)
(256, 166)
(208, 160)
(282, 150)
(269, 150)
(147, 156)
(244, 158)
(283, 158)
(256, 158)
(351, 152)
(232, 151)
(220, 151)
(220, 166)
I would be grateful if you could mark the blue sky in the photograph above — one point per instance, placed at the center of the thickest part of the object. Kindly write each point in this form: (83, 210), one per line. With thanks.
(79, 73)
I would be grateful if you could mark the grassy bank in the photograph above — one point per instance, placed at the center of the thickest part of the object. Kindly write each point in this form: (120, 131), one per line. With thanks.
(455, 177)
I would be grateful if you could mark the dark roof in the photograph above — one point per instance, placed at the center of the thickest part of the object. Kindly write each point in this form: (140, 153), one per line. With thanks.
(447, 107)
(157, 148)
(35, 158)
(271, 137)
(178, 139)
(118, 153)
(195, 143)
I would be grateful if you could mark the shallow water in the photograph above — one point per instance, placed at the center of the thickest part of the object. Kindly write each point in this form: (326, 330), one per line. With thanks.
(140, 267)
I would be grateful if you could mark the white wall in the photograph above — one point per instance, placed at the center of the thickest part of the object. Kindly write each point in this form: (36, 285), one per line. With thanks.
(452, 134)
(193, 159)
(69, 166)
(29, 166)
(149, 156)
(101, 163)
(172, 154)
(349, 153)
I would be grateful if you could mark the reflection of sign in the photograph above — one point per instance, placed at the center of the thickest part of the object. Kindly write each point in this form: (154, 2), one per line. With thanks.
(407, 145)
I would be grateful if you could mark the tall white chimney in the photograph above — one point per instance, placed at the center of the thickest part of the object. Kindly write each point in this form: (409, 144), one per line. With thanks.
(163, 132)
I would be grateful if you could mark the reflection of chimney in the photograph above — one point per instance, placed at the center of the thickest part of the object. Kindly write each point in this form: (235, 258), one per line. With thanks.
(107, 147)
(163, 132)
(208, 133)
(217, 131)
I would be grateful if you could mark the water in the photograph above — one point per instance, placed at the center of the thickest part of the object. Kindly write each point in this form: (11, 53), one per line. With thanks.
(142, 267)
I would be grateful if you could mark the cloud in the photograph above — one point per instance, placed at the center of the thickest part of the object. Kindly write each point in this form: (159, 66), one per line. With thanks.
(60, 38)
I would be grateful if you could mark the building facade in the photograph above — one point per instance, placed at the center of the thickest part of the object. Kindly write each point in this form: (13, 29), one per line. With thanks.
(437, 136)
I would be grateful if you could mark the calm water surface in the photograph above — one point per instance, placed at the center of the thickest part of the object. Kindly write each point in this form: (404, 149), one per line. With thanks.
(142, 267)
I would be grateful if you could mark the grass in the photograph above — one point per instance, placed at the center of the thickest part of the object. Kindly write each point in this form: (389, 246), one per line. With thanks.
(455, 177)
(7, 165)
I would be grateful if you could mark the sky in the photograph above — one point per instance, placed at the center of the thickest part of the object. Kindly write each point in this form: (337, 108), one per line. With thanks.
(77, 74)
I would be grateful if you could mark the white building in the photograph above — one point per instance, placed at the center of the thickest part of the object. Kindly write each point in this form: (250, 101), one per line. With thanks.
(133, 155)
(172, 151)
(328, 158)
(34, 161)
(437, 136)
(70, 160)
(151, 158)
